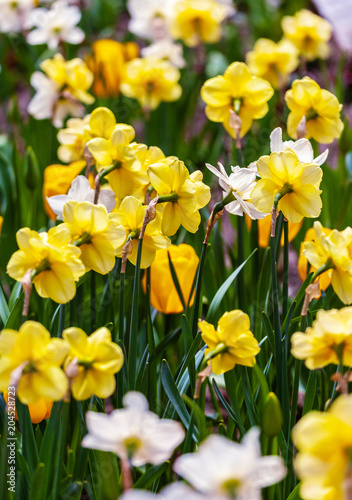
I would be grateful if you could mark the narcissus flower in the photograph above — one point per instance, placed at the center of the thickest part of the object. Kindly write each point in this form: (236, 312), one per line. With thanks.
(224, 469)
(240, 183)
(37, 358)
(324, 278)
(298, 184)
(166, 49)
(273, 61)
(14, 15)
(320, 108)
(61, 90)
(131, 215)
(329, 340)
(232, 343)
(73, 139)
(151, 19)
(184, 194)
(97, 233)
(302, 148)
(173, 491)
(151, 81)
(309, 33)
(198, 21)
(38, 411)
(324, 442)
(237, 90)
(163, 293)
(134, 433)
(96, 359)
(56, 25)
(107, 63)
(333, 250)
(54, 263)
(57, 181)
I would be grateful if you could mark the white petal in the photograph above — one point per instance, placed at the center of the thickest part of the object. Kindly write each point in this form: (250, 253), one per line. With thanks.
(135, 401)
(80, 189)
(57, 203)
(107, 198)
(303, 150)
(276, 143)
(319, 160)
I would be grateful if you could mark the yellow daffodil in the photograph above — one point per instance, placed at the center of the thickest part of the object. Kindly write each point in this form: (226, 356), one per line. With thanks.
(264, 226)
(183, 194)
(38, 411)
(131, 215)
(54, 263)
(273, 61)
(324, 278)
(73, 139)
(320, 108)
(57, 180)
(324, 442)
(333, 250)
(151, 81)
(237, 90)
(163, 293)
(309, 33)
(96, 359)
(96, 232)
(38, 358)
(329, 340)
(107, 65)
(198, 21)
(297, 182)
(232, 343)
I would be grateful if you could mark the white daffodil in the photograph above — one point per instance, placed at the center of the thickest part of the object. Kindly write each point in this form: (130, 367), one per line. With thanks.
(224, 469)
(240, 183)
(14, 14)
(55, 25)
(134, 432)
(302, 148)
(175, 491)
(151, 19)
(80, 190)
(166, 49)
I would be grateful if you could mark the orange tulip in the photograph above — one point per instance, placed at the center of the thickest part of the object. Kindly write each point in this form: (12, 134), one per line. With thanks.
(58, 179)
(38, 411)
(264, 226)
(163, 293)
(107, 64)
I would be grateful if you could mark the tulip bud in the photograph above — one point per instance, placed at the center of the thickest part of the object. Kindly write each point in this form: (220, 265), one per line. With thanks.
(271, 416)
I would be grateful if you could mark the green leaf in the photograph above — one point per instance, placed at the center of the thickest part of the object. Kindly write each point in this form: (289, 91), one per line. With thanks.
(295, 493)
(310, 393)
(150, 476)
(176, 282)
(235, 417)
(14, 318)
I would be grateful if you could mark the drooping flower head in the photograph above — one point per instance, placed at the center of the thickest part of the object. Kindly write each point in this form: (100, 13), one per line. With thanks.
(134, 432)
(329, 340)
(319, 107)
(37, 358)
(224, 469)
(233, 338)
(55, 264)
(151, 81)
(324, 442)
(273, 61)
(297, 182)
(309, 33)
(96, 359)
(239, 91)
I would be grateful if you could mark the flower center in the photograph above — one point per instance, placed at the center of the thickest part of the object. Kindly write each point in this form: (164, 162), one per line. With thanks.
(86, 363)
(311, 114)
(85, 238)
(237, 103)
(30, 368)
(132, 444)
(43, 266)
(231, 487)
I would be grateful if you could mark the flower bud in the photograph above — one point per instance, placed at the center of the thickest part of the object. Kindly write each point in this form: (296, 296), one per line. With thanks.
(271, 416)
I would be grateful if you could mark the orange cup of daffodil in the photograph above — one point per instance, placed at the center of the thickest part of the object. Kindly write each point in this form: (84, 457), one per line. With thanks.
(163, 293)
(38, 411)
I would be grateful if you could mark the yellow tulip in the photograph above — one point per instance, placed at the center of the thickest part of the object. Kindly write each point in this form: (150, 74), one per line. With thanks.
(320, 108)
(309, 33)
(333, 249)
(39, 358)
(97, 359)
(273, 61)
(38, 411)
(57, 180)
(297, 182)
(131, 215)
(237, 90)
(184, 194)
(324, 442)
(107, 65)
(324, 278)
(96, 232)
(55, 263)
(151, 81)
(329, 340)
(163, 293)
(198, 21)
(232, 341)
(264, 227)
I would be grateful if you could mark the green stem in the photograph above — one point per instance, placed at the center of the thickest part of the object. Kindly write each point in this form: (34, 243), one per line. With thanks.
(240, 277)
(197, 295)
(219, 349)
(121, 332)
(152, 386)
(286, 272)
(132, 351)
(62, 316)
(277, 325)
(92, 300)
